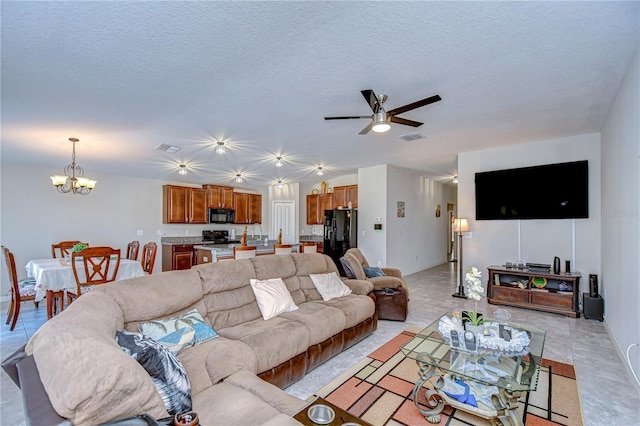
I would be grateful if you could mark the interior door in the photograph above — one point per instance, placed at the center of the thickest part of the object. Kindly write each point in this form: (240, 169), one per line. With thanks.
(283, 214)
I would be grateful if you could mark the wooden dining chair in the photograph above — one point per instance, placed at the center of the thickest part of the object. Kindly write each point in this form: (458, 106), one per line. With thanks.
(132, 250)
(148, 256)
(309, 248)
(21, 291)
(282, 249)
(244, 252)
(96, 269)
(64, 248)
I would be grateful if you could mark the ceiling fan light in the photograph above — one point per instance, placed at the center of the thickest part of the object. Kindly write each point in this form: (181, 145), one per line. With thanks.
(220, 149)
(380, 123)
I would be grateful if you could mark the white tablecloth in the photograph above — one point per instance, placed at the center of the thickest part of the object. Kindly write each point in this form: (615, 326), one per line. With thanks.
(56, 274)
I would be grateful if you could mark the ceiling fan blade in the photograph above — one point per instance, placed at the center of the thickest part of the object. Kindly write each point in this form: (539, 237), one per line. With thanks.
(348, 118)
(406, 122)
(366, 129)
(415, 105)
(371, 99)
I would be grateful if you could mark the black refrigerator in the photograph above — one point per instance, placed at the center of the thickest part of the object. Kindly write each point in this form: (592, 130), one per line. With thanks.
(340, 233)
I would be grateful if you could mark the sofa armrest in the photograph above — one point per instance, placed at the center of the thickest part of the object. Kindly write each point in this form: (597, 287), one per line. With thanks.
(227, 357)
(360, 287)
(271, 394)
(392, 272)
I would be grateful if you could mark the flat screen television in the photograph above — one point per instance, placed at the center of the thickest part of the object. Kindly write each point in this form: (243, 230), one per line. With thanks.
(551, 191)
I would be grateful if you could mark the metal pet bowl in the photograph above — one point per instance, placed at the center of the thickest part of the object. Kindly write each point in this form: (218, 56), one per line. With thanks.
(321, 414)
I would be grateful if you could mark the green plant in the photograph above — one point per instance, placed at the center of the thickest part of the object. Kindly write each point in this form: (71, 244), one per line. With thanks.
(79, 247)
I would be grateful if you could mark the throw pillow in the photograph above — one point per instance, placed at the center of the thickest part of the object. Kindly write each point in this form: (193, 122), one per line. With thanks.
(347, 268)
(329, 285)
(373, 271)
(180, 332)
(166, 371)
(273, 297)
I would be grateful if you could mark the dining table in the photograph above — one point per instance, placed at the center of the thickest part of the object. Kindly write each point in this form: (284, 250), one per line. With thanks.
(54, 276)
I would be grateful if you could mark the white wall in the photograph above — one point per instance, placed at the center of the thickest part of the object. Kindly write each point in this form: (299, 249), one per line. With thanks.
(34, 215)
(411, 243)
(372, 203)
(495, 242)
(620, 281)
(418, 240)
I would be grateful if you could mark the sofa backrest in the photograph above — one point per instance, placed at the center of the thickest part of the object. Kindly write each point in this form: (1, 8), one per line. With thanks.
(228, 297)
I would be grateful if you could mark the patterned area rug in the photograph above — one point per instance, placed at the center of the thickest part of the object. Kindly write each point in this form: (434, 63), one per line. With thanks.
(379, 388)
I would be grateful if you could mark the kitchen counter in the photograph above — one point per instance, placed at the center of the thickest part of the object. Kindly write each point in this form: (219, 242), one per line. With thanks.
(225, 251)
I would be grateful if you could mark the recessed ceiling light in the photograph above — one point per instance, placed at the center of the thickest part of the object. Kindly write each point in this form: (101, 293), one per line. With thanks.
(320, 172)
(279, 162)
(220, 149)
(183, 169)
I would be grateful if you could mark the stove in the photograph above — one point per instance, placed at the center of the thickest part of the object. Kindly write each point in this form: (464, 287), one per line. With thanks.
(216, 237)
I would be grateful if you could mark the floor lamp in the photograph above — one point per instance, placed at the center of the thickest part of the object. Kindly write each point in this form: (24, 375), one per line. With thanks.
(460, 225)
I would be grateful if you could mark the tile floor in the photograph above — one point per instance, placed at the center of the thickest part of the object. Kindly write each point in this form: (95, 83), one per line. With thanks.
(607, 391)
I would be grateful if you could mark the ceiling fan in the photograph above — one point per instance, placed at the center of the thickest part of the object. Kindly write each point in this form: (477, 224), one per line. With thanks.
(380, 119)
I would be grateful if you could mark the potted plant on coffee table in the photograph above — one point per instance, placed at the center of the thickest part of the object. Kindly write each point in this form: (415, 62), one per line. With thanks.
(474, 320)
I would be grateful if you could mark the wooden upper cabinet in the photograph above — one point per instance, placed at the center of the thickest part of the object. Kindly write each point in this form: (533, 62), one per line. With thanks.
(316, 205)
(182, 204)
(198, 206)
(342, 195)
(248, 208)
(219, 197)
(312, 209)
(352, 195)
(255, 208)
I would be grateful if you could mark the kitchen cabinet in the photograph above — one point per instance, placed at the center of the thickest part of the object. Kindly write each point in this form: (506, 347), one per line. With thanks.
(183, 204)
(342, 195)
(316, 205)
(178, 256)
(248, 208)
(219, 197)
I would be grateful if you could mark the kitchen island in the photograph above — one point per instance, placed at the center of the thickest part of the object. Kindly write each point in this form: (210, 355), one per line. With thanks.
(216, 252)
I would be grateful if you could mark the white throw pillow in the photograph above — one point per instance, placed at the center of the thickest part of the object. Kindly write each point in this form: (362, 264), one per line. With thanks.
(273, 297)
(329, 285)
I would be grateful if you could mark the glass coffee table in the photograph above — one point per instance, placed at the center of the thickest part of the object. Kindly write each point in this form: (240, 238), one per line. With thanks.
(494, 370)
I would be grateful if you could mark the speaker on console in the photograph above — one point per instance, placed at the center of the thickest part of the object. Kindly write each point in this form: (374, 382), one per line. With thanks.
(556, 265)
(593, 285)
(592, 307)
(567, 267)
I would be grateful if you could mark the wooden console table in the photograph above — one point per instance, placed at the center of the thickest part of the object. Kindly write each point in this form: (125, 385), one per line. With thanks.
(543, 291)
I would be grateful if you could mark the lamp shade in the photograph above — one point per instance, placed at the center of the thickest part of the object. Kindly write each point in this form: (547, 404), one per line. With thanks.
(460, 225)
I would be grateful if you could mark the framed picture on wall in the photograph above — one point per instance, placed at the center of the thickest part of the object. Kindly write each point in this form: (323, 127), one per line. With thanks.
(400, 208)
(437, 210)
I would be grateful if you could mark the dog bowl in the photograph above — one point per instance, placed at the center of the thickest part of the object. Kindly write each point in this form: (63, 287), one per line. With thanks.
(321, 414)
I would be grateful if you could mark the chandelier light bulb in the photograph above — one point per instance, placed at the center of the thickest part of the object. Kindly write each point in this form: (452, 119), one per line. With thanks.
(220, 149)
(183, 169)
(279, 162)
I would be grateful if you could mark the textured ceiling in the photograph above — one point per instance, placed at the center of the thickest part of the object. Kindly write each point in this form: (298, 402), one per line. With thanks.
(124, 77)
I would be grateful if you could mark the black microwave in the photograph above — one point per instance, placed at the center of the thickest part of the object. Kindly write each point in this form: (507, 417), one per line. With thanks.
(222, 216)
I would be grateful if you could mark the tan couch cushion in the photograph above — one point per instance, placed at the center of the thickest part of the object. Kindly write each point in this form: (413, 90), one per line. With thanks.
(356, 266)
(87, 376)
(273, 341)
(322, 321)
(355, 308)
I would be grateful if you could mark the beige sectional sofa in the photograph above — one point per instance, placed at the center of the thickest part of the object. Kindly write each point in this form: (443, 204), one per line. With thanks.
(234, 378)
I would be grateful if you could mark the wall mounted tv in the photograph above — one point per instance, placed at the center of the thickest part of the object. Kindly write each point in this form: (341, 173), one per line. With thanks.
(551, 191)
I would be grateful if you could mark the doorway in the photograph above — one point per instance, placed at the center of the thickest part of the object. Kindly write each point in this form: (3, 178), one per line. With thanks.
(283, 214)
(451, 236)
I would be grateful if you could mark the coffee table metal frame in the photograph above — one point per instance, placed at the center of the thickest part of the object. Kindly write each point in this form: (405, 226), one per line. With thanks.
(519, 373)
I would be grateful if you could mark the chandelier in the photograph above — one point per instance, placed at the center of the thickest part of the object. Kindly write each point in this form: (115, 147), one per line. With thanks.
(73, 179)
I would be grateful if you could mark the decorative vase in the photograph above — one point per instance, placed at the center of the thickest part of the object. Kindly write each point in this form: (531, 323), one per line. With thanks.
(243, 240)
(475, 329)
(323, 186)
(279, 240)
